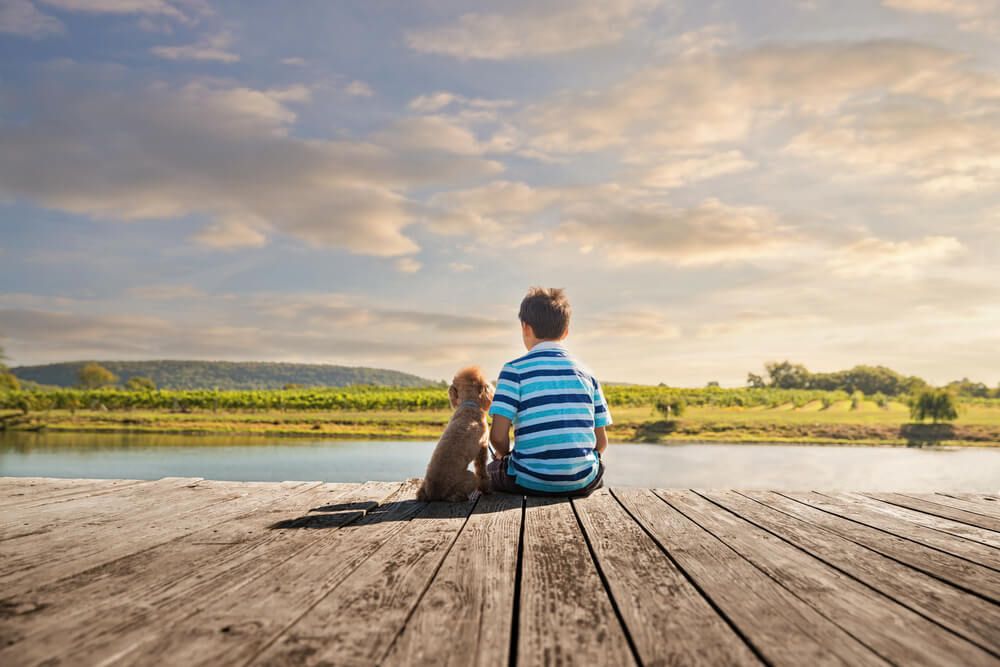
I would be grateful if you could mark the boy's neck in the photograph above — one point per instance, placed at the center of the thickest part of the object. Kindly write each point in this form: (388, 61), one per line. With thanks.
(546, 341)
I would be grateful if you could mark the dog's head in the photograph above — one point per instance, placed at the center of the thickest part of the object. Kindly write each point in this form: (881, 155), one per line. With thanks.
(470, 384)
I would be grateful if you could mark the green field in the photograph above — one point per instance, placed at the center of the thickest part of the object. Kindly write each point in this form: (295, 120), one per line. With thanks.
(731, 415)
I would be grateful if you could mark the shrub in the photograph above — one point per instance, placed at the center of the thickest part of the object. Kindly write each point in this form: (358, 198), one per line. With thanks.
(671, 407)
(936, 404)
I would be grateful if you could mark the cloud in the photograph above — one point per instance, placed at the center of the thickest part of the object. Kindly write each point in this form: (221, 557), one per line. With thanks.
(628, 231)
(437, 101)
(408, 265)
(947, 154)
(533, 31)
(166, 292)
(226, 153)
(970, 15)
(214, 48)
(150, 7)
(702, 41)
(359, 89)
(870, 257)
(684, 170)
(430, 133)
(21, 17)
(718, 99)
(295, 62)
(646, 323)
(487, 209)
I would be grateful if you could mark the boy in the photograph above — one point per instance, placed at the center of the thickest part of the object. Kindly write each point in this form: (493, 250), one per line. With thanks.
(555, 405)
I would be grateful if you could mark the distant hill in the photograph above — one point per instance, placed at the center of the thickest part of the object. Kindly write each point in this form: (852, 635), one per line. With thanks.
(224, 374)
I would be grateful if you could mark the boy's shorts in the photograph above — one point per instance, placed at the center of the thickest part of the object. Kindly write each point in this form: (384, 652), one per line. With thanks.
(501, 481)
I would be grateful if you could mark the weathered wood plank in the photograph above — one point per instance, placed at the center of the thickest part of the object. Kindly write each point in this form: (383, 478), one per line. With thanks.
(944, 534)
(34, 491)
(893, 631)
(990, 509)
(565, 616)
(166, 580)
(357, 623)
(780, 626)
(809, 529)
(472, 596)
(237, 623)
(99, 506)
(945, 565)
(35, 560)
(669, 621)
(938, 509)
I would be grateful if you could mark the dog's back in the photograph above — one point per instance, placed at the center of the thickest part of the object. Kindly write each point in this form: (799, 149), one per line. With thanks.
(447, 472)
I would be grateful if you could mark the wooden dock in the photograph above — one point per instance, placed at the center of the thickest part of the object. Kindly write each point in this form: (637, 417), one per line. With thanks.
(185, 572)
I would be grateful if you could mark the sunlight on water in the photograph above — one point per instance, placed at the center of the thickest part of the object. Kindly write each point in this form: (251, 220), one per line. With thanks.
(788, 467)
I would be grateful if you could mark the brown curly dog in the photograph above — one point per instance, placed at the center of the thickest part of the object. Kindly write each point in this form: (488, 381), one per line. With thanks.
(464, 439)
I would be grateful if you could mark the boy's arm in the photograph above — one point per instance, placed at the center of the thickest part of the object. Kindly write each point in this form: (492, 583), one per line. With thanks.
(500, 436)
(602, 439)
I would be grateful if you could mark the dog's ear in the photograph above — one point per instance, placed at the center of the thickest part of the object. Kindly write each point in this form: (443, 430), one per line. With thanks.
(453, 395)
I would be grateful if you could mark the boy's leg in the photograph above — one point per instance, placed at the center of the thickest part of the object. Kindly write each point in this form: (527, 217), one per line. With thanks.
(499, 479)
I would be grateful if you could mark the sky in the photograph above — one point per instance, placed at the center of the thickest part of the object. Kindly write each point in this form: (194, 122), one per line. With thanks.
(715, 184)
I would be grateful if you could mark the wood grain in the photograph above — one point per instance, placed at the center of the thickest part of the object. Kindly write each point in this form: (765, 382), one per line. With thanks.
(938, 509)
(779, 625)
(565, 615)
(895, 632)
(959, 539)
(824, 537)
(464, 618)
(669, 621)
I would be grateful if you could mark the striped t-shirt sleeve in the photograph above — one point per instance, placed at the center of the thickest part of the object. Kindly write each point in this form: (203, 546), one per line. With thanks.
(507, 397)
(602, 416)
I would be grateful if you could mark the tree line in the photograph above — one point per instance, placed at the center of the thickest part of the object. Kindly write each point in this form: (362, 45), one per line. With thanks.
(869, 380)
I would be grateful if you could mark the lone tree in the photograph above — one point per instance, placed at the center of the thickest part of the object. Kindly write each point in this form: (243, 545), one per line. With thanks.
(94, 376)
(936, 404)
(671, 408)
(140, 383)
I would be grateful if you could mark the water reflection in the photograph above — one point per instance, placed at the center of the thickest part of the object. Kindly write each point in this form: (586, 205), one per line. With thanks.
(783, 467)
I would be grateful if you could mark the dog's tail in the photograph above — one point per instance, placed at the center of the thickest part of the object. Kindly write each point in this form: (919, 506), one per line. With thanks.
(422, 493)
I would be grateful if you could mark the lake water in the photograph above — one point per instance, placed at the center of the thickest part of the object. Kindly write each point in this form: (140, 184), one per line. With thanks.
(783, 467)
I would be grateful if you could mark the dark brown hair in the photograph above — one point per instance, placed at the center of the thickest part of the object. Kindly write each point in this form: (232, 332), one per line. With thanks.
(547, 311)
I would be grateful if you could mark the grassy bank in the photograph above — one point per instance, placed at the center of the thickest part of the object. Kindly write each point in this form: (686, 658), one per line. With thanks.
(816, 421)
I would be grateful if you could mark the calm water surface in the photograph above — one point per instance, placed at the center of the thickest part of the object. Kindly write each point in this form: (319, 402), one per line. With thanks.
(785, 467)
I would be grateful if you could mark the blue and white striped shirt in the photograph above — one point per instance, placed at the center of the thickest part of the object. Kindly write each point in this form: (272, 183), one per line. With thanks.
(555, 405)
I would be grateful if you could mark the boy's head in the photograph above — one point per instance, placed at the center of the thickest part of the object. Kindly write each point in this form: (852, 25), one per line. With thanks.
(544, 315)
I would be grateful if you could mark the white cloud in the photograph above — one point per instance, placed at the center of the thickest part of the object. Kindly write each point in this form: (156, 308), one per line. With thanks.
(210, 48)
(487, 209)
(21, 17)
(617, 225)
(971, 15)
(460, 267)
(161, 7)
(870, 257)
(947, 154)
(537, 30)
(431, 133)
(294, 62)
(408, 265)
(696, 43)
(225, 152)
(684, 170)
(359, 89)
(720, 99)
